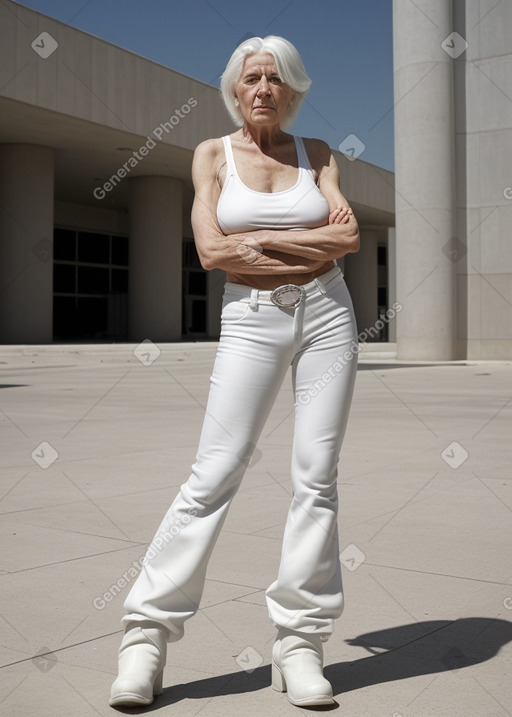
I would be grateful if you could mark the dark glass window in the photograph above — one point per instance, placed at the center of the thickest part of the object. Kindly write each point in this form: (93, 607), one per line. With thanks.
(198, 316)
(92, 280)
(119, 280)
(120, 251)
(382, 296)
(64, 317)
(64, 278)
(64, 245)
(197, 283)
(93, 248)
(92, 316)
(382, 255)
(195, 292)
(86, 275)
(191, 257)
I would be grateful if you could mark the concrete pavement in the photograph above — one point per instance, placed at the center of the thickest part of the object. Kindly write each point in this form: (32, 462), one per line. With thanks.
(95, 443)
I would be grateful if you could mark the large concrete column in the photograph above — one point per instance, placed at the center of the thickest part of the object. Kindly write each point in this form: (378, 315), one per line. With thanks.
(26, 240)
(361, 275)
(155, 259)
(424, 176)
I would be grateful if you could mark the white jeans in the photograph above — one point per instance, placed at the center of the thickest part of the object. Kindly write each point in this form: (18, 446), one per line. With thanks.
(258, 343)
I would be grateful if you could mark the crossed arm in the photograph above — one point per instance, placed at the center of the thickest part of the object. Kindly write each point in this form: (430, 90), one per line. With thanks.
(268, 251)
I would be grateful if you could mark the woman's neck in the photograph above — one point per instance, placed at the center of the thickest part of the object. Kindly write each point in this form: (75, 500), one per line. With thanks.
(264, 136)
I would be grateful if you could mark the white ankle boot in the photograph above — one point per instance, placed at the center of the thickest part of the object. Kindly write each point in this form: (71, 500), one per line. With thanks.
(142, 658)
(297, 668)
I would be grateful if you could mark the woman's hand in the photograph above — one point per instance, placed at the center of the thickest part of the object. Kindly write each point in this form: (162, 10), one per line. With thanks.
(240, 253)
(340, 215)
(269, 251)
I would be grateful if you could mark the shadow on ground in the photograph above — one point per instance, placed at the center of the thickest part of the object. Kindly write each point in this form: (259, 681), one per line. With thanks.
(397, 653)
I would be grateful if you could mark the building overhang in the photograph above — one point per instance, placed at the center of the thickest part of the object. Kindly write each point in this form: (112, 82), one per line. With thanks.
(110, 113)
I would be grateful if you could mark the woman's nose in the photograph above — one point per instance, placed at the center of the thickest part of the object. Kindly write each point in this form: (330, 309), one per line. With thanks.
(263, 86)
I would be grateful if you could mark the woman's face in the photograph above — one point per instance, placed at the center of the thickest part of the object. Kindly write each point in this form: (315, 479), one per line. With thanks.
(263, 96)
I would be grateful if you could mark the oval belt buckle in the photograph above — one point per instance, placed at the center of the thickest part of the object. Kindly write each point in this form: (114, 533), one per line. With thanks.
(287, 296)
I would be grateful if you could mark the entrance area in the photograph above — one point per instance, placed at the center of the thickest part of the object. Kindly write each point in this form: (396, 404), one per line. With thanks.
(90, 285)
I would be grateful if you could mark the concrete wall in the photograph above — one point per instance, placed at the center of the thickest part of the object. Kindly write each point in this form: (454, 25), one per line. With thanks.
(453, 136)
(93, 219)
(484, 158)
(90, 79)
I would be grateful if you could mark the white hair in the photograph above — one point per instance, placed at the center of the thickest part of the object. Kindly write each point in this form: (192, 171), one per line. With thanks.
(289, 66)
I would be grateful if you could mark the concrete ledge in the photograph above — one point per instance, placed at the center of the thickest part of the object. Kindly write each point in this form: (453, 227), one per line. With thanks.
(130, 352)
(377, 351)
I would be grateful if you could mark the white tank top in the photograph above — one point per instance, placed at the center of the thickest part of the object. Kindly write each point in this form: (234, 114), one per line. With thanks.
(242, 209)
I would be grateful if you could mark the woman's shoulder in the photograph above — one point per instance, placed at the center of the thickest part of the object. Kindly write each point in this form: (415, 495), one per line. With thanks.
(316, 147)
(209, 156)
(319, 153)
(209, 148)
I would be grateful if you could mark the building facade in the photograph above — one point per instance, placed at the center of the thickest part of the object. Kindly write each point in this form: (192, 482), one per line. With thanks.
(96, 147)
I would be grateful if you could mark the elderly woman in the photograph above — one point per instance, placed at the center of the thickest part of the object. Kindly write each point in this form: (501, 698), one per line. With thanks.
(268, 210)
